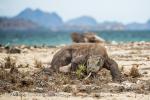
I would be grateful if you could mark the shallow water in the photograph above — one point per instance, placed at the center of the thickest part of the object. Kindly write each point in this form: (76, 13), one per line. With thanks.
(40, 37)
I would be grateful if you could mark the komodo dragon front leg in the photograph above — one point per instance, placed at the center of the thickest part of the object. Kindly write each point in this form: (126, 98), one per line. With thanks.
(74, 64)
(78, 60)
(111, 65)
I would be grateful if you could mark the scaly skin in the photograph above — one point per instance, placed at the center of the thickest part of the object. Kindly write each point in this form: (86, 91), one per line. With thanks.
(89, 54)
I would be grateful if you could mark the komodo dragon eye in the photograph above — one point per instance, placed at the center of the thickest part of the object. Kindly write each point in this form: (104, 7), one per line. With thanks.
(98, 63)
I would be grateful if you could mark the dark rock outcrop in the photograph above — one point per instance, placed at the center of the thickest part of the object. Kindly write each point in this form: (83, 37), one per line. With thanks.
(86, 38)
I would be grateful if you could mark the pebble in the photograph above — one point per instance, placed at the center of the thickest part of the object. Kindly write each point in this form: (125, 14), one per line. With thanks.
(39, 90)
(63, 94)
(15, 93)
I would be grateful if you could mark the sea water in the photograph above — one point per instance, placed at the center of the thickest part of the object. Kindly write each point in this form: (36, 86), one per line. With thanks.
(47, 37)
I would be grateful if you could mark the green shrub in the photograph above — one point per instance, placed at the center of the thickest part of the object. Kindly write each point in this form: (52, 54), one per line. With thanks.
(80, 72)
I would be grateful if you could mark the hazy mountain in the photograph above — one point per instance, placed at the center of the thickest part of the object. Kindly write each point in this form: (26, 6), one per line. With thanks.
(138, 26)
(82, 21)
(111, 26)
(49, 20)
(31, 19)
(148, 23)
(16, 24)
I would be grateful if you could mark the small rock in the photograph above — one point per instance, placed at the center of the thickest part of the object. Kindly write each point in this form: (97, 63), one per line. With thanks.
(63, 94)
(97, 95)
(14, 50)
(67, 88)
(81, 88)
(81, 94)
(15, 93)
(51, 93)
(39, 90)
(148, 58)
(139, 82)
(145, 72)
(85, 88)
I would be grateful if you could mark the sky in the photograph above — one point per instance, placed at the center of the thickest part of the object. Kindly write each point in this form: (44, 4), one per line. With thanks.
(102, 10)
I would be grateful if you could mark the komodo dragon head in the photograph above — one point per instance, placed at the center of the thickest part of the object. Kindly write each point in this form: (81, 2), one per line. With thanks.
(94, 63)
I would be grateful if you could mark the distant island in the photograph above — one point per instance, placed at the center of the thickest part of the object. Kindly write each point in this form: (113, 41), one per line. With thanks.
(34, 19)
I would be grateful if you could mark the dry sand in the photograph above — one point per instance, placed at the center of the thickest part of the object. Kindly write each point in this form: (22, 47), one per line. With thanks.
(32, 60)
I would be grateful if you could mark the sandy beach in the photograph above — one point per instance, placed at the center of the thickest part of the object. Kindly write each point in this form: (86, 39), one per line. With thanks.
(26, 76)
